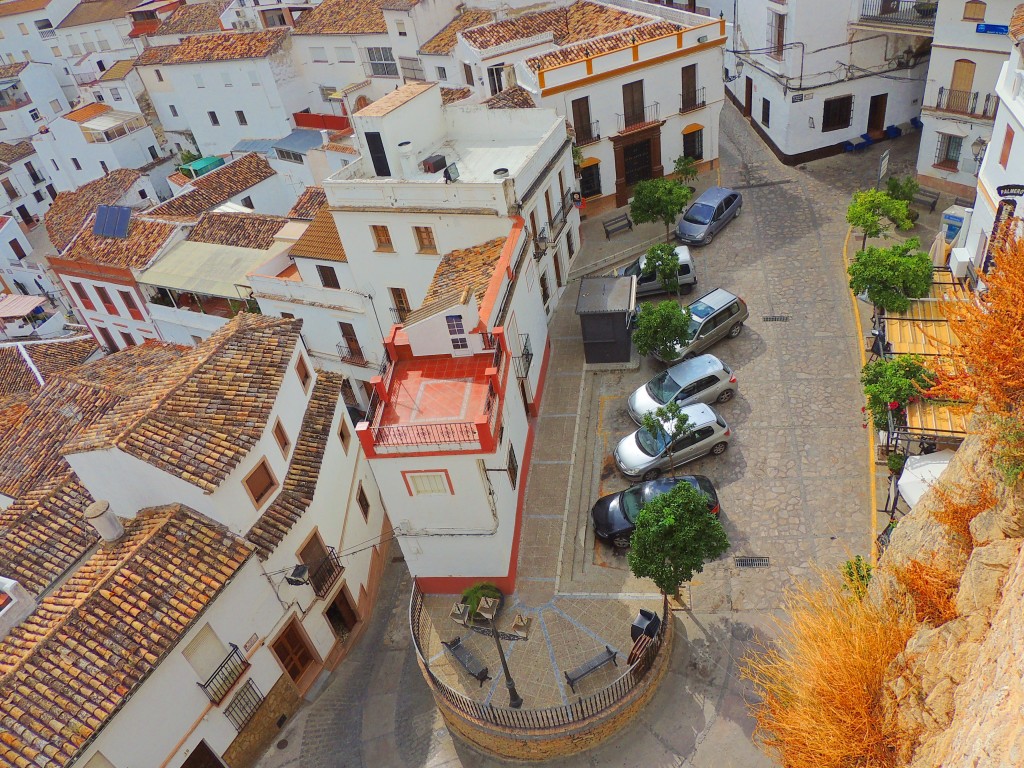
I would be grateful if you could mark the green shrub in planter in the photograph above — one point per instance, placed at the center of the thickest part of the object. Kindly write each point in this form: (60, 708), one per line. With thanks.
(471, 597)
(895, 462)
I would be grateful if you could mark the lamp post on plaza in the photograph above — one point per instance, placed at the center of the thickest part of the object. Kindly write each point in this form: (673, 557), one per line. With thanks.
(487, 608)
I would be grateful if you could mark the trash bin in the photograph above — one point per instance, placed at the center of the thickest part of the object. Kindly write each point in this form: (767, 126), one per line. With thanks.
(645, 623)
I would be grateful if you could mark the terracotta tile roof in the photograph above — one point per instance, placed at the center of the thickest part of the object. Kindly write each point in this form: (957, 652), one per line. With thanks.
(193, 19)
(467, 269)
(299, 482)
(581, 20)
(614, 42)
(216, 187)
(14, 7)
(345, 149)
(217, 406)
(444, 41)
(452, 95)
(1016, 23)
(244, 230)
(48, 357)
(144, 240)
(70, 209)
(12, 153)
(42, 534)
(118, 70)
(344, 17)
(228, 46)
(133, 602)
(179, 178)
(70, 407)
(320, 240)
(394, 99)
(516, 97)
(92, 11)
(12, 70)
(310, 201)
(155, 54)
(88, 112)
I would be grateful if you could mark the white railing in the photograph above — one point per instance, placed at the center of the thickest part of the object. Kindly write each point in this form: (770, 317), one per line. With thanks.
(668, 13)
(516, 45)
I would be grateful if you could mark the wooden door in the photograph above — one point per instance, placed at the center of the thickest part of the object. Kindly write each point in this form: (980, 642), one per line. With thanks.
(748, 102)
(202, 757)
(876, 114)
(348, 335)
(582, 121)
(688, 88)
(961, 85)
(293, 652)
(633, 102)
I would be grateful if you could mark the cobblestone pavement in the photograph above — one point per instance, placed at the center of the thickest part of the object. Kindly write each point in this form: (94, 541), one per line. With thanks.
(793, 486)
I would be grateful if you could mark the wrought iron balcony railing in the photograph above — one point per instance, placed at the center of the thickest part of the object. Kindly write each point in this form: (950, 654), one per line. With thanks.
(525, 358)
(691, 100)
(911, 13)
(966, 102)
(225, 676)
(325, 574)
(352, 354)
(636, 119)
(588, 133)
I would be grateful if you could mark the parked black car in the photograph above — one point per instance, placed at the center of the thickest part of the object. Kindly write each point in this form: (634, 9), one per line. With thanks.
(615, 514)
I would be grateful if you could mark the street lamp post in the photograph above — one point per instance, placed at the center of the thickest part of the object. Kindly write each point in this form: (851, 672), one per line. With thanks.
(487, 608)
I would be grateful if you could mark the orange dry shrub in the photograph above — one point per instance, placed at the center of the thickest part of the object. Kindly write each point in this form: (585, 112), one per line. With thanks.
(821, 683)
(986, 369)
(960, 503)
(932, 590)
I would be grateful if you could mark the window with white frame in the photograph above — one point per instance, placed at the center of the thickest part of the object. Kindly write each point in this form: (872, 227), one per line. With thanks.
(254, 78)
(115, 94)
(225, 79)
(400, 28)
(198, 77)
(318, 54)
(382, 62)
(412, 69)
(429, 484)
(457, 331)
(291, 157)
(776, 34)
(345, 54)
(441, 73)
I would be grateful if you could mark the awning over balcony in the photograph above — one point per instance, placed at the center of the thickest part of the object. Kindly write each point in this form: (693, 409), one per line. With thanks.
(19, 306)
(207, 269)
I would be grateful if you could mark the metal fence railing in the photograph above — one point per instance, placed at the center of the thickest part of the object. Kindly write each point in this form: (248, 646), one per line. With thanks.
(225, 676)
(913, 13)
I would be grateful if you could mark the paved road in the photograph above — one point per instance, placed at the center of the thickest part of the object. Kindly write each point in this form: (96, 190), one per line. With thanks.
(793, 487)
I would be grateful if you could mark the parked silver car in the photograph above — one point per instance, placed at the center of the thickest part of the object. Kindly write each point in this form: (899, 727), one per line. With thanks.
(646, 456)
(702, 379)
(708, 214)
(649, 284)
(714, 316)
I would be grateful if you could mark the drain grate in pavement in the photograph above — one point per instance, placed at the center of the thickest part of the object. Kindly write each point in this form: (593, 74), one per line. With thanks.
(776, 318)
(751, 562)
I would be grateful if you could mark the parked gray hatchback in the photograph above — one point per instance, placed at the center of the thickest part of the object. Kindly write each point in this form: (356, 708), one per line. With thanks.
(714, 316)
(708, 214)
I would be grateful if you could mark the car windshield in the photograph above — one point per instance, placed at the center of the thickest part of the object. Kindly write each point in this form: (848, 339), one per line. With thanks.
(633, 269)
(649, 444)
(662, 388)
(699, 213)
(632, 500)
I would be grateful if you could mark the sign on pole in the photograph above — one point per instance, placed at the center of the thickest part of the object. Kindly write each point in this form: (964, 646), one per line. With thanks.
(883, 167)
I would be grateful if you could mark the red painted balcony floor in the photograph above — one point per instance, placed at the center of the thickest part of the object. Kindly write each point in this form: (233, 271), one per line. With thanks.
(437, 390)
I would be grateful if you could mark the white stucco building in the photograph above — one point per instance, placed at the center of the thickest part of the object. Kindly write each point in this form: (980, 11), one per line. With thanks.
(285, 551)
(811, 81)
(968, 51)
(30, 99)
(27, 33)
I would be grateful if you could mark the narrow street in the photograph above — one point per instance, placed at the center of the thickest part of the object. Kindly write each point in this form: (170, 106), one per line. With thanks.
(794, 487)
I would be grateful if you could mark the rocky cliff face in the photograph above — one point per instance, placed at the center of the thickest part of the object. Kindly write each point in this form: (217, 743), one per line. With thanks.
(958, 689)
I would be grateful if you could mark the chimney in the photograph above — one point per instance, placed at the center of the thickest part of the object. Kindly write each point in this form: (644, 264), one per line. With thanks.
(16, 605)
(99, 516)
(405, 154)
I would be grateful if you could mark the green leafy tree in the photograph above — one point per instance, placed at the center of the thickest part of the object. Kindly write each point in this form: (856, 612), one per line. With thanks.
(667, 422)
(675, 536)
(663, 263)
(686, 169)
(659, 200)
(892, 276)
(188, 156)
(890, 384)
(902, 187)
(856, 576)
(660, 327)
(874, 212)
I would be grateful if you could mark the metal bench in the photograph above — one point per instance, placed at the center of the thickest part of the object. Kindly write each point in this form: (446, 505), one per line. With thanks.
(465, 657)
(616, 224)
(966, 202)
(924, 197)
(589, 666)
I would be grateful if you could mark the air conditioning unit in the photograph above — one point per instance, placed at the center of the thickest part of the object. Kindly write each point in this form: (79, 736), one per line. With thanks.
(959, 258)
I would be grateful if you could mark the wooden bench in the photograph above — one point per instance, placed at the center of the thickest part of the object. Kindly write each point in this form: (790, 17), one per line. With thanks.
(589, 666)
(924, 197)
(465, 657)
(616, 224)
(965, 202)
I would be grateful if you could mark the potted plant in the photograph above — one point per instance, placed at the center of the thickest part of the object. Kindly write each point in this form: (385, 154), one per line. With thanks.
(471, 599)
(895, 462)
(577, 160)
(927, 8)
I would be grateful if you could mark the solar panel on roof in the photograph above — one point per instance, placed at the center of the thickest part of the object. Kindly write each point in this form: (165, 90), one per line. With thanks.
(112, 221)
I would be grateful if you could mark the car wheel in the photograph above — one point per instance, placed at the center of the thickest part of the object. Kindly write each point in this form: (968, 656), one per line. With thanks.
(652, 474)
(725, 397)
(620, 542)
(688, 288)
(735, 330)
(708, 238)
(718, 449)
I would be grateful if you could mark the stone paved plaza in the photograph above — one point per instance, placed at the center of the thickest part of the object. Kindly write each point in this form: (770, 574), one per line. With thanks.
(794, 487)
